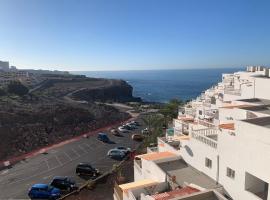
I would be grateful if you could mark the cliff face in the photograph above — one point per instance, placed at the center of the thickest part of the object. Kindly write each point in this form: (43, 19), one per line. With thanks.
(116, 90)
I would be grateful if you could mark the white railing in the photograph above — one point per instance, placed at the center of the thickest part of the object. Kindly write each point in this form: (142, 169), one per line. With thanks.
(205, 123)
(202, 135)
(233, 91)
(190, 111)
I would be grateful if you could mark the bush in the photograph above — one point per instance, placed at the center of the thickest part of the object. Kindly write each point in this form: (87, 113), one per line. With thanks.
(17, 88)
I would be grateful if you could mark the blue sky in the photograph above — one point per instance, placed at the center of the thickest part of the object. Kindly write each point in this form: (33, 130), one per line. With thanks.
(136, 34)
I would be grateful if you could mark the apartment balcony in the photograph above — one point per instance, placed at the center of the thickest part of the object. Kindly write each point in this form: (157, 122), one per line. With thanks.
(190, 111)
(236, 92)
(207, 136)
(205, 123)
(170, 144)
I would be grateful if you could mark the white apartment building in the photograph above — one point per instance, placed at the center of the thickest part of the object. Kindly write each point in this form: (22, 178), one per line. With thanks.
(220, 146)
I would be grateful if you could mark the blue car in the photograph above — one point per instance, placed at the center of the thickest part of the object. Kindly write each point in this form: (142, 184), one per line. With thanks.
(103, 137)
(44, 191)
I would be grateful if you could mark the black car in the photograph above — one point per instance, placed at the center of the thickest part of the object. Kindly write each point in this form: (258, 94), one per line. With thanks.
(64, 183)
(86, 169)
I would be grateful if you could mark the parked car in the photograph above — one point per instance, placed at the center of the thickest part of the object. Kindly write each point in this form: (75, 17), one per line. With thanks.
(126, 150)
(135, 123)
(44, 191)
(137, 137)
(127, 127)
(64, 183)
(131, 126)
(115, 132)
(116, 154)
(122, 129)
(86, 169)
(145, 131)
(103, 137)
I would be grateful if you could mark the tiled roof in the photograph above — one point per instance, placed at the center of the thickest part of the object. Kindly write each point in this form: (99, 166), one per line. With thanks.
(229, 126)
(175, 193)
(157, 155)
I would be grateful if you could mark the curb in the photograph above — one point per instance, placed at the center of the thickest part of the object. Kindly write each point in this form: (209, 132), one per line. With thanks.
(5, 164)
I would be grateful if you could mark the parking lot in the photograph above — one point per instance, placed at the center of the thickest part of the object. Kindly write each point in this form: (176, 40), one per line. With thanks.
(61, 161)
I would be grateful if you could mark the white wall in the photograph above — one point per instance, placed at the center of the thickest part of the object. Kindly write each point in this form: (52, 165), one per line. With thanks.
(242, 154)
(262, 86)
(196, 158)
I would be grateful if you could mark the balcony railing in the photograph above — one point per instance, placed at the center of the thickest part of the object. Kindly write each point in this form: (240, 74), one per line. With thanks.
(236, 92)
(206, 136)
(190, 111)
(205, 123)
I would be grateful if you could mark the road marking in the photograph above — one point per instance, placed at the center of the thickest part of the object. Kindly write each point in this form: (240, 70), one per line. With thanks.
(70, 159)
(58, 160)
(80, 147)
(47, 164)
(78, 155)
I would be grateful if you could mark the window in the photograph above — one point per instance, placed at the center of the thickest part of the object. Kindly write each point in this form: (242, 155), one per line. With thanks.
(200, 112)
(208, 163)
(230, 172)
(256, 186)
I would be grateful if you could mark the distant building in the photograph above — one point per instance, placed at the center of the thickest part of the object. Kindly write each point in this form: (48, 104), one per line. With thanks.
(4, 66)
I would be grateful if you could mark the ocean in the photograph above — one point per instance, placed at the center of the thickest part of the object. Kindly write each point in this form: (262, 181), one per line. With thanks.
(163, 85)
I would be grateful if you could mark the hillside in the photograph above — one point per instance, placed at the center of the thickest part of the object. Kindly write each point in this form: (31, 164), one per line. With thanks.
(58, 109)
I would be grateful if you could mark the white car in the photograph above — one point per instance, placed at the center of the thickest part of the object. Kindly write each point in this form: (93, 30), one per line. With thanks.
(122, 129)
(125, 150)
(116, 154)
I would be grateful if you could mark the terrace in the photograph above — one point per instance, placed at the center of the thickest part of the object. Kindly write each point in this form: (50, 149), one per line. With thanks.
(184, 175)
(208, 136)
(173, 143)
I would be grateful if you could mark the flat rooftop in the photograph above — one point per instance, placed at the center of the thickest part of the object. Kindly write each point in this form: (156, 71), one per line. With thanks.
(264, 109)
(156, 155)
(187, 174)
(261, 121)
(138, 184)
(257, 101)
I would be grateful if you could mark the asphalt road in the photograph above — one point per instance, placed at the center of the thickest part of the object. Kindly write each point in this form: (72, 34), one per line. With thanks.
(16, 181)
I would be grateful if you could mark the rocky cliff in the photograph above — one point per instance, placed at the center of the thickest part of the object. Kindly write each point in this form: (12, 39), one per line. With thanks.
(114, 90)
